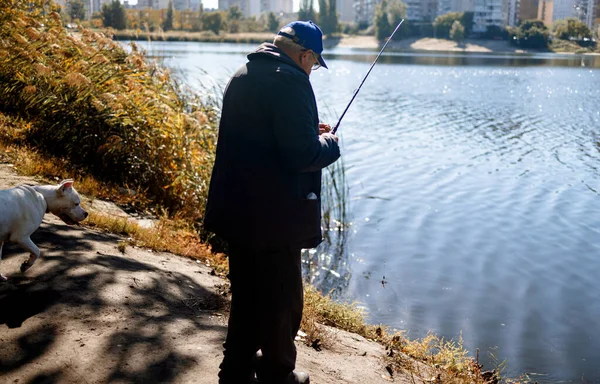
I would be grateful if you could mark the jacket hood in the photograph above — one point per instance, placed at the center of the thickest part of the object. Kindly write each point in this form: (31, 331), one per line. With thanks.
(270, 51)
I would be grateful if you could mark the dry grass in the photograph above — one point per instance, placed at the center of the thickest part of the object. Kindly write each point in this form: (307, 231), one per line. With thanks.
(166, 235)
(431, 359)
(321, 309)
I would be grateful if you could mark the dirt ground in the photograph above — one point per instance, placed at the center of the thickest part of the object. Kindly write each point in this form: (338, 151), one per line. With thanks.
(87, 313)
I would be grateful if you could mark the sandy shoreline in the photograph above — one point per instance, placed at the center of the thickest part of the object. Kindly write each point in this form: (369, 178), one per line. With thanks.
(430, 44)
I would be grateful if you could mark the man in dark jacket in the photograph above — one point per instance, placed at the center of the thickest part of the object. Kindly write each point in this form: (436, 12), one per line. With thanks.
(264, 200)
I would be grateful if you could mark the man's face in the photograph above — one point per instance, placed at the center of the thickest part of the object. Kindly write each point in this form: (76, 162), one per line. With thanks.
(308, 61)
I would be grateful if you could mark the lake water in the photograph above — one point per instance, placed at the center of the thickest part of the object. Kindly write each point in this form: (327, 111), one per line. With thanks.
(473, 196)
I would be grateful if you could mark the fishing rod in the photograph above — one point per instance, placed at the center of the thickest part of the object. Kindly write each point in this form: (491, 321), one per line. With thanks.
(365, 78)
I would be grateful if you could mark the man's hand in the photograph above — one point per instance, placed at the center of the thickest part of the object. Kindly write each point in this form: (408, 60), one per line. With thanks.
(323, 128)
(330, 135)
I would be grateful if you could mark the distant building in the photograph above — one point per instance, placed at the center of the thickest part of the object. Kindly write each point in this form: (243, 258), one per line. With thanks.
(181, 5)
(584, 10)
(414, 10)
(464, 5)
(365, 11)
(153, 4)
(424, 10)
(512, 13)
(444, 7)
(195, 5)
(256, 7)
(429, 10)
(489, 13)
(528, 10)
(563, 9)
(545, 12)
(94, 6)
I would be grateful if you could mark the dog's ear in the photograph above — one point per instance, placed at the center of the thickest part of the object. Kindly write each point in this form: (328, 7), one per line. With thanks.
(65, 185)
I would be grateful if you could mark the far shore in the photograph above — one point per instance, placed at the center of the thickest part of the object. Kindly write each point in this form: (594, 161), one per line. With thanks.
(348, 41)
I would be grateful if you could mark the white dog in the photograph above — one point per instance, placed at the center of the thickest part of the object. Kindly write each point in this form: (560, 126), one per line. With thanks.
(22, 209)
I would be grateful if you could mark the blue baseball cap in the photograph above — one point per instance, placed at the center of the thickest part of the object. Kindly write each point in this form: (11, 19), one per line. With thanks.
(306, 34)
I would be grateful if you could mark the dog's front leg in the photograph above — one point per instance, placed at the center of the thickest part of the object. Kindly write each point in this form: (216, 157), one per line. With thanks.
(34, 252)
(2, 277)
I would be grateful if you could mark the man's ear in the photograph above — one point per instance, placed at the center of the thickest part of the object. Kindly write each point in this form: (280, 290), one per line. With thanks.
(65, 185)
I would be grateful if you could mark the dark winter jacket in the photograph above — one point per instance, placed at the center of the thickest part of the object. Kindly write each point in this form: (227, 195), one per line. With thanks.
(269, 156)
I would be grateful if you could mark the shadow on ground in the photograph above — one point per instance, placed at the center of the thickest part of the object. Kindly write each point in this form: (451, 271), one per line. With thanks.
(127, 317)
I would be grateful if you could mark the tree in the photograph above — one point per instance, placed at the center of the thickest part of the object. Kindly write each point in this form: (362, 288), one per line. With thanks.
(442, 24)
(322, 12)
(76, 9)
(382, 25)
(531, 34)
(234, 13)
(328, 17)
(332, 17)
(168, 22)
(213, 21)
(113, 15)
(396, 11)
(272, 22)
(571, 28)
(457, 32)
(234, 17)
(307, 11)
(467, 22)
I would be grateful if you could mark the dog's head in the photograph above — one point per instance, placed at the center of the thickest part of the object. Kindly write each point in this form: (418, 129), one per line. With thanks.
(65, 203)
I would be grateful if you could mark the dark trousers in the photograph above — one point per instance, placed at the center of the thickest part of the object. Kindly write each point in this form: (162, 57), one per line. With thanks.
(266, 310)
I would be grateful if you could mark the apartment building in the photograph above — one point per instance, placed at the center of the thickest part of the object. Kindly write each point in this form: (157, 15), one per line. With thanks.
(528, 9)
(428, 10)
(545, 12)
(489, 13)
(365, 11)
(414, 10)
(256, 7)
(583, 10)
(512, 13)
(586, 11)
(464, 5)
(153, 4)
(563, 9)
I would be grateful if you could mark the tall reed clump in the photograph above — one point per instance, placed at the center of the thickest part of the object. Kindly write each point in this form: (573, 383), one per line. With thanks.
(109, 112)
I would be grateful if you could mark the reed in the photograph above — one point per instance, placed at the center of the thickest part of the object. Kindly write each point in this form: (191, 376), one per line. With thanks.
(113, 114)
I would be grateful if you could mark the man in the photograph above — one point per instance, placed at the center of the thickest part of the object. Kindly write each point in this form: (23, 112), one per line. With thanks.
(264, 200)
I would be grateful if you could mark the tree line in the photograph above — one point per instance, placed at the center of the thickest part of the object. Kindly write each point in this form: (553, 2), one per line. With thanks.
(388, 13)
